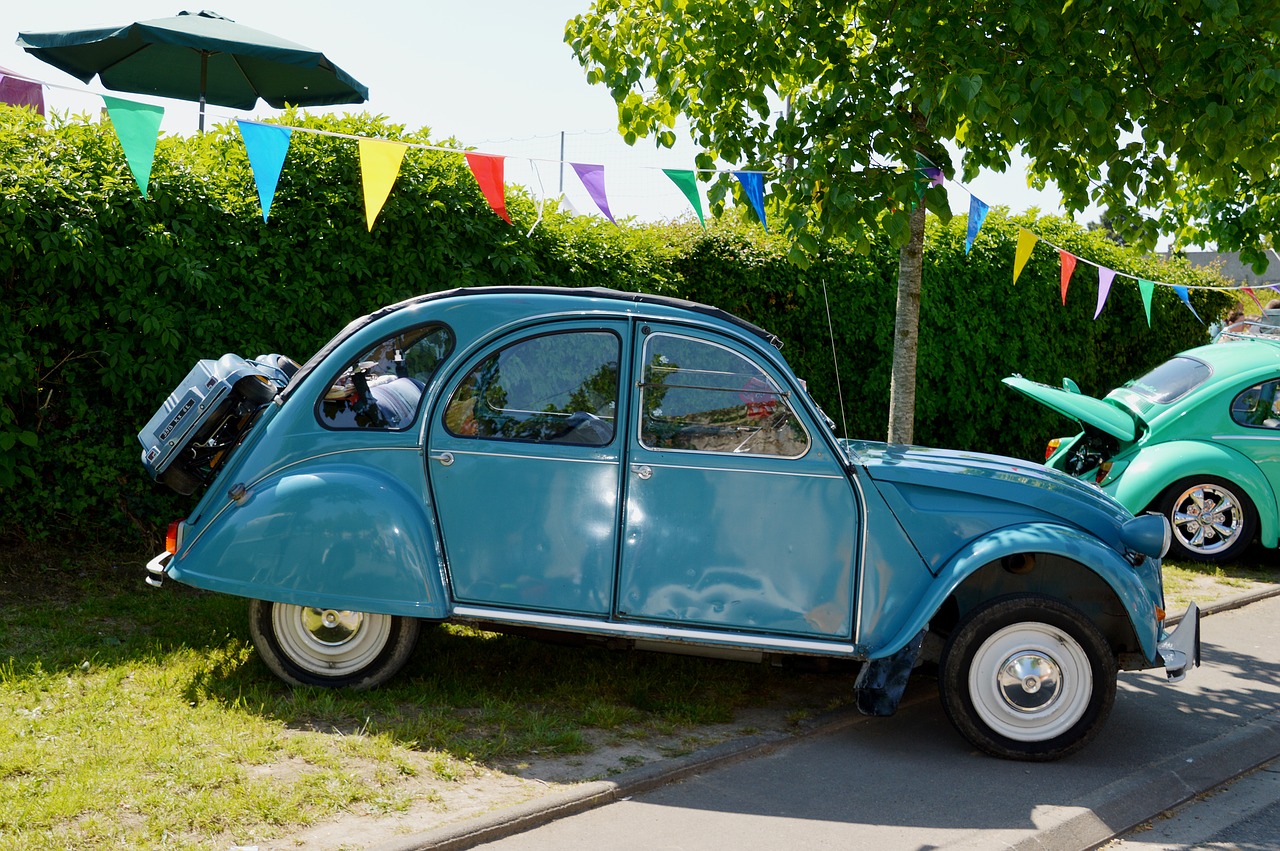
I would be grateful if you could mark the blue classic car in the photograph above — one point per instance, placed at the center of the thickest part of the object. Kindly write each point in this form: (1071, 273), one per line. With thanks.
(650, 472)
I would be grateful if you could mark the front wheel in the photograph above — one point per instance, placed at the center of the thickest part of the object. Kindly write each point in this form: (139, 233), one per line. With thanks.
(1211, 519)
(309, 646)
(1028, 677)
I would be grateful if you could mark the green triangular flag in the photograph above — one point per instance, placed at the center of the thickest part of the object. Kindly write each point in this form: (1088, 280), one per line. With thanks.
(137, 126)
(1146, 288)
(688, 183)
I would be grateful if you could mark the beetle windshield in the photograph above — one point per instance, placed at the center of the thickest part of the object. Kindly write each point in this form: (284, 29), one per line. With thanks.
(1170, 380)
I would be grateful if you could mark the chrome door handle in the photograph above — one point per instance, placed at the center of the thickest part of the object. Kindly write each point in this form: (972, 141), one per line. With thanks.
(445, 458)
(644, 471)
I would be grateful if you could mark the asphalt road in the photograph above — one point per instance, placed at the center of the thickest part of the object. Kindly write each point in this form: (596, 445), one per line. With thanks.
(910, 782)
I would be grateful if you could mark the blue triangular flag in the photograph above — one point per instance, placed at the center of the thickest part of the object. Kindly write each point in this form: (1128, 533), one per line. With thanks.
(977, 215)
(1186, 299)
(266, 145)
(753, 187)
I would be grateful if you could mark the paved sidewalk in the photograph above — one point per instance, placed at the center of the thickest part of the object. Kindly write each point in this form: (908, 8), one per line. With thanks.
(910, 781)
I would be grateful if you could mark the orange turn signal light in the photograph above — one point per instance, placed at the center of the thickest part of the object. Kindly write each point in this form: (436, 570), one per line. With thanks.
(1052, 447)
(1159, 614)
(171, 537)
(1104, 469)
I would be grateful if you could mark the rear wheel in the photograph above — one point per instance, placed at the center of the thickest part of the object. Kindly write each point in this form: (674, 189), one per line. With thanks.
(1211, 519)
(309, 646)
(1028, 677)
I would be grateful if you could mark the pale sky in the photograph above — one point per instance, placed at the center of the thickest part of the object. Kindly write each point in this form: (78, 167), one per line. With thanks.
(495, 74)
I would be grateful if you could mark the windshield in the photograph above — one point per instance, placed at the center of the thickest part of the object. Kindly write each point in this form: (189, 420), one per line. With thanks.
(1170, 380)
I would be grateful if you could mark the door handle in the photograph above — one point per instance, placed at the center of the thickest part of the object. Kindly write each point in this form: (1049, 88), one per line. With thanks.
(445, 458)
(644, 471)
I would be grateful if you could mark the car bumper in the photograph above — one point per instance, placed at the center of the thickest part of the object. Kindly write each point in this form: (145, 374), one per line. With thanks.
(157, 568)
(1180, 649)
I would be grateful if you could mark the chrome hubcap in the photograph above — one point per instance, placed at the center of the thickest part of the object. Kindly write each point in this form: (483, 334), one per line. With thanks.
(1029, 681)
(1207, 519)
(331, 627)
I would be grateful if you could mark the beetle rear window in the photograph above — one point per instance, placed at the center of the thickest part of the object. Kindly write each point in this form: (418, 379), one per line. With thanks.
(1170, 380)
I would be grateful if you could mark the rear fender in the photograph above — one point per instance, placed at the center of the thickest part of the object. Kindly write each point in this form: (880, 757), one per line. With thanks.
(1136, 588)
(332, 536)
(1148, 474)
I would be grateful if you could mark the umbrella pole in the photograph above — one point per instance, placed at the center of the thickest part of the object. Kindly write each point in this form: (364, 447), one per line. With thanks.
(204, 81)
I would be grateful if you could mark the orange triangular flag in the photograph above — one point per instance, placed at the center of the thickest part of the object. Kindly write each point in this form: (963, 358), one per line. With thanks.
(1068, 266)
(487, 169)
(379, 165)
(1026, 241)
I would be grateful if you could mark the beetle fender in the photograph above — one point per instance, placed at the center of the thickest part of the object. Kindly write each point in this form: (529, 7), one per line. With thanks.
(1122, 577)
(334, 536)
(1153, 469)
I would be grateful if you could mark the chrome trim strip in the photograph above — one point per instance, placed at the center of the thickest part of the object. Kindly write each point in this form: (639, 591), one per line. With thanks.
(613, 461)
(662, 633)
(792, 473)
(1262, 436)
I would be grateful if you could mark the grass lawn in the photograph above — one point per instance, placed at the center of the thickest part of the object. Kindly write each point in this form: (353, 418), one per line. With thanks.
(141, 717)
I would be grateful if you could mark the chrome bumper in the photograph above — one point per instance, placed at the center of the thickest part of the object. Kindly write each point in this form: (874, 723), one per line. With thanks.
(156, 569)
(1180, 649)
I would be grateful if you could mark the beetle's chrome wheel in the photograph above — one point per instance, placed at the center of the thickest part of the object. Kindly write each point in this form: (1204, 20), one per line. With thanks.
(1211, 519)
(1030, 682)
(1206, 519)
(307, 645)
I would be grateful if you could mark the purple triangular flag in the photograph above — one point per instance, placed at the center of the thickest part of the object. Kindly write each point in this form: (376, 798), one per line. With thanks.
(753, 187)
(1105, 277)
(266, 145)
(1186, 299)
(592, 177)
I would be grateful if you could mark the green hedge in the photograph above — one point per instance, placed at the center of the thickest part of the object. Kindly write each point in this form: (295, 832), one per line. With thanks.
(109, 298)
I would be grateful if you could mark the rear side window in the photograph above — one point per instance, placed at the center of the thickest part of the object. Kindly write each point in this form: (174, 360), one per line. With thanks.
(1171, 380)
(1259, 406)
(555, 388)
(382, 388)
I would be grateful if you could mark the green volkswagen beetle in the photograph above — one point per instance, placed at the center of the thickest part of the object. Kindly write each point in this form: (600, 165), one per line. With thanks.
(1196, 439)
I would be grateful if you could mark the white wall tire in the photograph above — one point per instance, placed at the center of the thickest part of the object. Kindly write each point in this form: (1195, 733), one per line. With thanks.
(333, 648)
(1028, 677)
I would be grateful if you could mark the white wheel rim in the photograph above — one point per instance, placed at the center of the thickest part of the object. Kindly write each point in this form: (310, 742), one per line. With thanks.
(1030, 682)
(329, 642)
(1207, 519)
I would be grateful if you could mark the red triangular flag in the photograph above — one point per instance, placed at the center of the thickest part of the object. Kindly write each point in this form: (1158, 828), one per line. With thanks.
(487, 169)
(1068, 266)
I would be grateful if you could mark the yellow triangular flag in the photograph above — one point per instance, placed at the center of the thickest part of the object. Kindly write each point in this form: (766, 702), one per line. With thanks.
(379, 165)
(1026, 241)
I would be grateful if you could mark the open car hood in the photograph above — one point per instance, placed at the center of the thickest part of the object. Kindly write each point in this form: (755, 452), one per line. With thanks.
(1099, 413)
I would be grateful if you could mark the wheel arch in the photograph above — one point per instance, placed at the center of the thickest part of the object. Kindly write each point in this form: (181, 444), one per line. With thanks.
(1055, 561)
(1147, 477)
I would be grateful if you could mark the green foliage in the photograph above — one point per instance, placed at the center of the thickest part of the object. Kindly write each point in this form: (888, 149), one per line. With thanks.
(109, 298)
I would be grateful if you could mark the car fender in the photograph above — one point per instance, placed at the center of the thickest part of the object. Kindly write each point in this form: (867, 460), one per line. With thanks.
(1156, 467)
(1138, 598)
(330, 535)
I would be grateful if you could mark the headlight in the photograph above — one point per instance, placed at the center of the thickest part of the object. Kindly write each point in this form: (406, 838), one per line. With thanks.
(1148, 534)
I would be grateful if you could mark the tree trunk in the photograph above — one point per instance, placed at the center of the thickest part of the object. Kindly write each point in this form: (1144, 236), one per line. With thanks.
(906, 334)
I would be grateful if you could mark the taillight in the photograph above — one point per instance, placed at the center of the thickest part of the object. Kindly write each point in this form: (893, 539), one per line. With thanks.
(1104, 470)
(173, 536)
(1052, 447)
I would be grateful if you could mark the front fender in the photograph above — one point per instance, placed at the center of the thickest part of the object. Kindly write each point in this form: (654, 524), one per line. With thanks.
(333, 536)
(1137, 588)
(1155, 468)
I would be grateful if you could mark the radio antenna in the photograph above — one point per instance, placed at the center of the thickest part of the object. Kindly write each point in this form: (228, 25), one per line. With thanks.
(831, 335)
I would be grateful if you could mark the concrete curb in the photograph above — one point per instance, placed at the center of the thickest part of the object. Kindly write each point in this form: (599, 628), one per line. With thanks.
(1113, 810)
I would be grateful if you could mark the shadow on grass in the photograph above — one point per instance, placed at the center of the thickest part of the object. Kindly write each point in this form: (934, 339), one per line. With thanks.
(476, 696)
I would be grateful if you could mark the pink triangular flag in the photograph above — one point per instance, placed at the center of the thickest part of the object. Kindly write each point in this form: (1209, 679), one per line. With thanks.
(487, 169)
(1068, 266)
(592, 177)
(1105, 277)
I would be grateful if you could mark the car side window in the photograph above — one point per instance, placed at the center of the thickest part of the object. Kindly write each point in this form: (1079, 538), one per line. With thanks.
(555, 388)
(1259, 406)
(703, 397)
(381, 389)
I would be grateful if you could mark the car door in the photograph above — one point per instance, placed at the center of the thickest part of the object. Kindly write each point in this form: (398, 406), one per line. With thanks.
(738, 514)
(525, 467)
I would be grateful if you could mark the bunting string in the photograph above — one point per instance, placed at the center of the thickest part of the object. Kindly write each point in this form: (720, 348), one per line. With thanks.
(137, 126)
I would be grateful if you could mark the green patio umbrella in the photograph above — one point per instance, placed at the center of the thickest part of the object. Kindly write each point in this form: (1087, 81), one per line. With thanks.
(198, 57)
